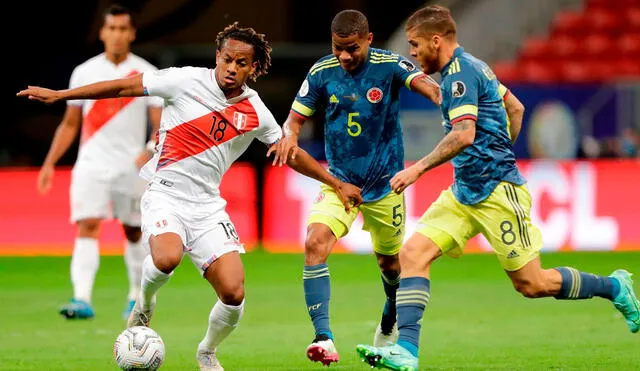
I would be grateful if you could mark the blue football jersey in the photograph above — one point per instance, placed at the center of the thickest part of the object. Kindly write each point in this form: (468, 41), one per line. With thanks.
(363, 137)
(470, 90)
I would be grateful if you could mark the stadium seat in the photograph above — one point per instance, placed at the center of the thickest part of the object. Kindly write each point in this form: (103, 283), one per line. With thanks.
(564, 46)
(537, 72)
(598, 45)
(507, 72)
(628, 45)
(632, 16)
(603, 20)
(535, 48)
(568, 22)
(577, 72)
(626, 68)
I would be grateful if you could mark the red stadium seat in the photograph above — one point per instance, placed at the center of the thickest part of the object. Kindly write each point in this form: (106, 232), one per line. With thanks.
(535, 49)
(626, 68)
(576, 72)
(632, 16)
(598, 45)
(629, 45)
(537, 72)
(568, 22)
(506, 72)
(564, 46)
(603, 20)
(619, 4)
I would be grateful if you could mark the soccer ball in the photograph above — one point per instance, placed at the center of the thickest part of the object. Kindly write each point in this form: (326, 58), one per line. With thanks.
(139, 348)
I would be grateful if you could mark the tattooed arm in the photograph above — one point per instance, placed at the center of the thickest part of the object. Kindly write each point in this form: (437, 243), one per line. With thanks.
(459, 138)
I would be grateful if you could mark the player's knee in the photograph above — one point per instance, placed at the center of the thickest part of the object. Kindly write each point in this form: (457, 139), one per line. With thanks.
(316, 248)
(166, 262)
(530, 289)
(89, 228)
(133, 234)
(232, 293)
(389, 263)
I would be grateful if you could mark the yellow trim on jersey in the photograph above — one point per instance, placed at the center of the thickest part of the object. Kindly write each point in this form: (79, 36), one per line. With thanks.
(504, 105)
(467, 109)
(502, 90)
(382, 55)
(454, 67)
(410, 78)
(302, 109)
(383, 61)
(336, 64)
(323, 63)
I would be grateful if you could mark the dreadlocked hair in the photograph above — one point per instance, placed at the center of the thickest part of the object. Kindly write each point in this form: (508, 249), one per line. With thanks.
(261, 47)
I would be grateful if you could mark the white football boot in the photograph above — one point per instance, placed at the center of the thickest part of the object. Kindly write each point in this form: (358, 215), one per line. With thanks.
(208, 361)
(381, 340)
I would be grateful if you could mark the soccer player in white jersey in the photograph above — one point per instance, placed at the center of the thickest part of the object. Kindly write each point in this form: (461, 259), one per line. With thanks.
(105, 179)
(210, 118)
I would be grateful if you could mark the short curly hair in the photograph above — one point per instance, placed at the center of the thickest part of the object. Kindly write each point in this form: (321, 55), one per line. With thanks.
(261, 47)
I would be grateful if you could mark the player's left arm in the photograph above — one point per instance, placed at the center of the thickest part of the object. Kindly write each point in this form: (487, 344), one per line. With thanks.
(515, 112)
(428, 88)
(414, 79)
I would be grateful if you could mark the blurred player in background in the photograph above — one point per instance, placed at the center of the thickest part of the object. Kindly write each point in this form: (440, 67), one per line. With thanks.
(360, 88)
(105, 179)
(488, 196)
(210, 118)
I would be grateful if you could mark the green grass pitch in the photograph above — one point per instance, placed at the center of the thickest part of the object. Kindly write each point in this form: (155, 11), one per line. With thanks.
(475, 320)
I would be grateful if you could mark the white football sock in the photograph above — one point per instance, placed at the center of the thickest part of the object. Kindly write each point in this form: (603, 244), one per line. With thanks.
(223, 319)
(152, 280)
(134, 254)
(84, 266)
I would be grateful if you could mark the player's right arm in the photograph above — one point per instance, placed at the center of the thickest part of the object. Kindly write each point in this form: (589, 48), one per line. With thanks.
(126, 87)
(62, 140)
(305, 164)
(303, 107)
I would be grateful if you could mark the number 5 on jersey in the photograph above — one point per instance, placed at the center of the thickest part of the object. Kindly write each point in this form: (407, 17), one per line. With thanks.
(353, 128)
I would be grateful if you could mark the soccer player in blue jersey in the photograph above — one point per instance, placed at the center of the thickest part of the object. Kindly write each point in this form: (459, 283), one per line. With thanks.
(359, 87)
(488, 196)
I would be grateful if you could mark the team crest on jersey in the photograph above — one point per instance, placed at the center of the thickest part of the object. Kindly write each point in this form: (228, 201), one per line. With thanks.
(239, 120)
(374, 95)
(458, 89)
(161, 223)
(319, 198)
(406, 65)
(304, 89)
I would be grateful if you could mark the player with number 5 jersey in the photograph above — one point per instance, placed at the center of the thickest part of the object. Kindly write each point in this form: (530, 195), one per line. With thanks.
(359, 87)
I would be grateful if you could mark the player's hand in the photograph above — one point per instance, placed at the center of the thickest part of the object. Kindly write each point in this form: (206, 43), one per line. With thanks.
(40, 94)
(404, 179)
(45, 179)
(143, 158)
(286, 148)
(349, 195)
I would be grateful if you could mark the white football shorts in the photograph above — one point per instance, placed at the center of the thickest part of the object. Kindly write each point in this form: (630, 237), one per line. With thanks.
(95, 193)
(205, 228)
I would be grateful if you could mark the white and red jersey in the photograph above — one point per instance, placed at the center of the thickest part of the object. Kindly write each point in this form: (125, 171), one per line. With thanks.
(113, 130)
(202, 132)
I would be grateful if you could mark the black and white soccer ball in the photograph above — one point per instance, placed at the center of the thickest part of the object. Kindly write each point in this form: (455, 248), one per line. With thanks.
(139, 348)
